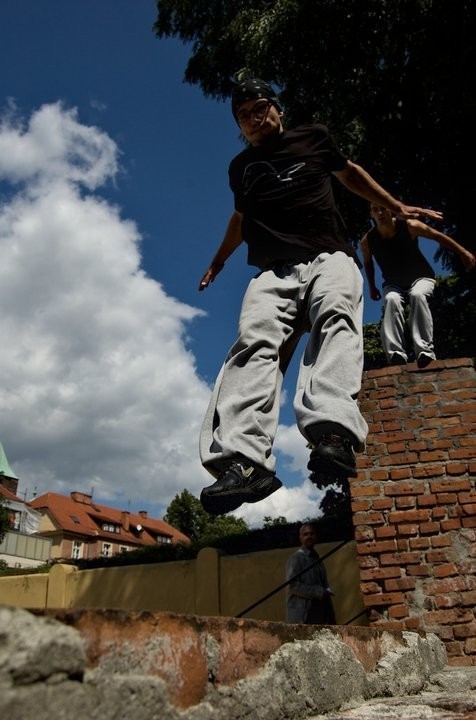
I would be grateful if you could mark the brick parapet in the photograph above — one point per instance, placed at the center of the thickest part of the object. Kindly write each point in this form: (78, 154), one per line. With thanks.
(414, 502)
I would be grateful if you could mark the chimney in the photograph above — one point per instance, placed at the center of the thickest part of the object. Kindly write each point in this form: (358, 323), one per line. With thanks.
(9, 483)
(81, 497)
(143, 513)
(125, 519)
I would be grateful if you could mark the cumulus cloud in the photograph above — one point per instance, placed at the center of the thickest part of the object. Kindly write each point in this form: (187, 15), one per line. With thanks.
(98, 387)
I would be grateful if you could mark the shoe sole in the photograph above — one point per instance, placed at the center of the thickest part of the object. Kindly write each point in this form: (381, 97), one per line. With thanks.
(331, 466)
(222, 503)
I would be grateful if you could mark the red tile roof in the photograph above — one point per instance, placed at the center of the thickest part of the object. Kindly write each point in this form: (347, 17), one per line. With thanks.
(89, 517)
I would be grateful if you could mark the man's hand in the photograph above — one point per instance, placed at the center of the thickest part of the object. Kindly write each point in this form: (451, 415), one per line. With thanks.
(407, 212)
(210, 275)
(375, 293)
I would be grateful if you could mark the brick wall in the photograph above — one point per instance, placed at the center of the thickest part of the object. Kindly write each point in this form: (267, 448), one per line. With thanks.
(414, 502)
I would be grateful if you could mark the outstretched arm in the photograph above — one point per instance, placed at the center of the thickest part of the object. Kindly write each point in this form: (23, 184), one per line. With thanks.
(421, 229)
(369, 267)
(358, 181)
(230, 242)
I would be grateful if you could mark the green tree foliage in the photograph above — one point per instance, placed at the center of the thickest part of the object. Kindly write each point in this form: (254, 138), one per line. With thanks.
(393, 79)
(269, 521)
(186, 513)
(374, 356)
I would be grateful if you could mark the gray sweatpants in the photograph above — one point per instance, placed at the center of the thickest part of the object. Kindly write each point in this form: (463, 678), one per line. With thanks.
(326, 296)
(420, 320)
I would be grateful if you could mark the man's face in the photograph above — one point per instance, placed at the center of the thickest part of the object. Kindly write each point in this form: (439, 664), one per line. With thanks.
(259, 120)
(307, 537)
(380, 213)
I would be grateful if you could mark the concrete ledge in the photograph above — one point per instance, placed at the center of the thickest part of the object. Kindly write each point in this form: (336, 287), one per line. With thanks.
(197, 668)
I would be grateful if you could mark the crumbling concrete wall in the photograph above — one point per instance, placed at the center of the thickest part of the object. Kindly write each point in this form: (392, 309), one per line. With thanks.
(115, 665)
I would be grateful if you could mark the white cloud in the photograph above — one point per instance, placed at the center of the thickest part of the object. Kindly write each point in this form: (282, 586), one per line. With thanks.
(98, 388)
(294, 503)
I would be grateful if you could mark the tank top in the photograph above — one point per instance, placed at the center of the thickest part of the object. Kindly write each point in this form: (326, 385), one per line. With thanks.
(399, 257)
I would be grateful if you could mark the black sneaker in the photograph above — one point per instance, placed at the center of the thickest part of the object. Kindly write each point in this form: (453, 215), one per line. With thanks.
(424, 359)
(333, 456)
(239, 482)
(397, 359)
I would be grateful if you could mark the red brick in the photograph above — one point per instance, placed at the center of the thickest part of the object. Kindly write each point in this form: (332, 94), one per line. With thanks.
(404, 583)
(467, 497)
(381, 573)
(395, 598)
(364, 533)
(368, 518)
(398, 611)
(446, 498)
(419, 570)
(364, 490)
(382, 393)
(438, 513)
(447, 601)
(456, 468)
(402, 544)
(465, 630)
(396, 448)
(470, 646)
(404, 488)
(428, 471)
(392, 437)
(453, 524)
(369, 588)
(361, 505)
(408, 516)
(469, 522)
(404, 529)
(462, 454)
(372, 548)
(447, 570)
(400, 473)
(445, 585)
(406, 501)
(408, 558)
(419, 543)
(382, 504)
(442, 541)
(400, 459)
(447, 617)
(469, 598)
(442, 486)
(426, 500)
(429, 528)
(378, 475)
(418, 445)
(385, 531)
(413, 623)
(432, 456)
(436, 556)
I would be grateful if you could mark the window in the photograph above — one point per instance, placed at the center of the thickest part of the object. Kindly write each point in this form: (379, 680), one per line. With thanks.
(77, 551)
(110, 527)
(163, 539)
(123, 548)
(106, 550)
(75, 519)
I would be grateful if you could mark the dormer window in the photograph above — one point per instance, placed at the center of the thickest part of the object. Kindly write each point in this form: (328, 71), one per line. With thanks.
(110, 527)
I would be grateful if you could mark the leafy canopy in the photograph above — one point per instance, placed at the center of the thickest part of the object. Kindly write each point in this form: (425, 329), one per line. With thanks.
(393, 79)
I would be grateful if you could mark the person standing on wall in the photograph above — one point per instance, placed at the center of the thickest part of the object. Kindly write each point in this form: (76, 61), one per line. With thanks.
(408, 279)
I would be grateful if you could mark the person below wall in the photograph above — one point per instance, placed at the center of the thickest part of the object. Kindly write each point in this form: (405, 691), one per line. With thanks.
(308, 597)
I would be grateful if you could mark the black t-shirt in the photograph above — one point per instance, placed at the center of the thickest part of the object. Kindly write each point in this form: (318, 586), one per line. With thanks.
(284, 191)
(399, 257)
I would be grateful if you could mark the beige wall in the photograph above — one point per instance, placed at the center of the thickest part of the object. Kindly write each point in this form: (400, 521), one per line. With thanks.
(213, 584)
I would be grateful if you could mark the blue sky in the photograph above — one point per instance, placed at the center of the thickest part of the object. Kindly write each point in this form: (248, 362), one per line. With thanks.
(113, 198)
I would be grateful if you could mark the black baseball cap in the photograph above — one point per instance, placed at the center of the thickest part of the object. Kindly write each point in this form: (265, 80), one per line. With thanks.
(250, 89)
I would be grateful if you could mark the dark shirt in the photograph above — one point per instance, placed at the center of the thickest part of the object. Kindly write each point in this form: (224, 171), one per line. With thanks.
(284, 190)
(399, 257)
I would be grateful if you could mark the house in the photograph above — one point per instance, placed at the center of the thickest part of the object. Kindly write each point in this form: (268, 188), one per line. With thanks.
(22, 545)
(79, 527)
